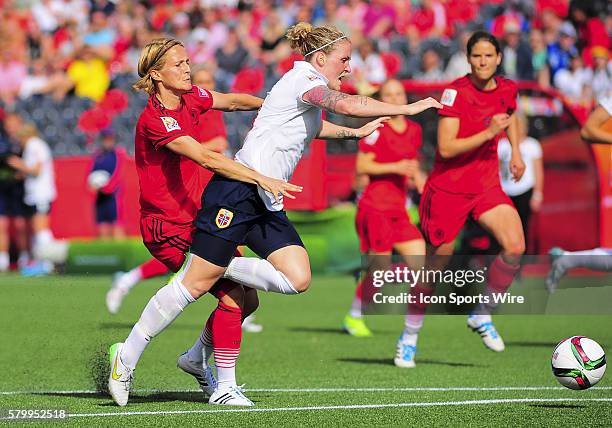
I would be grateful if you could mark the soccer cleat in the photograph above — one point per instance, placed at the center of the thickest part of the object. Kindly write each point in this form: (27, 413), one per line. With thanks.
(116, 294)
(230, 396)
(249, 325)
(405, 353)
(120, 377)
(205, 377)
(556, 270)
(356, 327)
(486, 329)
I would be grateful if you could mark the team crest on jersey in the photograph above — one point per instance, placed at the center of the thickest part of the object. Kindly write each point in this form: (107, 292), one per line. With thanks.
(311, 78)
(224, 218)
(170, 123)
(202, 93)
(448, 97)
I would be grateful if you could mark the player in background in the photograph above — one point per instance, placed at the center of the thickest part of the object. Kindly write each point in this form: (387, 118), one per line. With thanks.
(598, 130)
(110, 158)
(465, 181)
(233, 213)
(213, 135)
(389, 158)
(169, 158)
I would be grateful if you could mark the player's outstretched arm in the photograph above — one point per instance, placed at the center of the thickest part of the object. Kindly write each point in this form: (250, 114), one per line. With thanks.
(361, 105)
(235, 102)
(592, 131)
(448, 129)
(222, 165)
(331, 131)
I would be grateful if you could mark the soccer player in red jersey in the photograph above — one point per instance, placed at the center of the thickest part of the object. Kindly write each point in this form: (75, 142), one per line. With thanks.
(465, 180)
(169, 158)
(389, 157)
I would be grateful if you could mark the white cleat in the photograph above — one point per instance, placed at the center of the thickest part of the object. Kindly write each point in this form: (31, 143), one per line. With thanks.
(116, 294)
(249, 325)
(205, 377)
(230, 396)
(490, 337)
(120, 377)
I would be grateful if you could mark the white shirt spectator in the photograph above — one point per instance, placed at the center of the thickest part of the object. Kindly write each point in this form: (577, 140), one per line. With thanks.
(284, 127)
(372, 69)
(458, 66)
(40, 189)
(572, 84)
(530, 150)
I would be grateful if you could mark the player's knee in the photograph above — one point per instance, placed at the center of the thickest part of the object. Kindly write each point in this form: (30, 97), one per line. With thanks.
(197, 288)
(251, 302)
(234, 297)
(515, 248)
(300, 280)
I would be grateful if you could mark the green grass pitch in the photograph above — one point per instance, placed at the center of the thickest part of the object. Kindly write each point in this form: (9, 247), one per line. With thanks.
(300, 371)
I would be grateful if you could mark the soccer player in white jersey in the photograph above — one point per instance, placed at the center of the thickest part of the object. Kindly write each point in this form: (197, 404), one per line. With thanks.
(234, 214)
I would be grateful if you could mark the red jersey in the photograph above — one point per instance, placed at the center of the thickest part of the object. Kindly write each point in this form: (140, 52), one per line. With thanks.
(475, 171)
(211, 125)
(388, 192)
(170, 184)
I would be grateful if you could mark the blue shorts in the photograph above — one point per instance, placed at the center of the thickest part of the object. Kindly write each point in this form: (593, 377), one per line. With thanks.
(106, 208)
(232, 211)
(11, 200)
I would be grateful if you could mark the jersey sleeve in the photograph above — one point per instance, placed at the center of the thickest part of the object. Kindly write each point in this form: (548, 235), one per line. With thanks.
(368, 144)
(202, 98)
(512, 96)
(162, 130)
(306, 82)
(451, 102)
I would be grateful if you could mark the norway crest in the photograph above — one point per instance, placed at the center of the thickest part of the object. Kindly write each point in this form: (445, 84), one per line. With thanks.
(224, 218)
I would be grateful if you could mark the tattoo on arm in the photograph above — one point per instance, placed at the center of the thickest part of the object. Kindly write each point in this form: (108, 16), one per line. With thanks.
(346, 133)
(328, 99)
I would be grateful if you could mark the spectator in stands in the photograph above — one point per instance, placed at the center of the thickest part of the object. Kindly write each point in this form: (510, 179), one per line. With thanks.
(353, 12)
(551, 24)
(12, 72)
(428, 21)
(274, 46)
(431, 67)
(575, 82)
(517, 58)
(100, 35)
(602, 72)
(458, 65)
(110, 159)
(591, 29)
(88, 74)
(332, 17)
(366, 63)
(378, 20)
(41, 79)
(561, 51)
(231, 58)
(539, 58)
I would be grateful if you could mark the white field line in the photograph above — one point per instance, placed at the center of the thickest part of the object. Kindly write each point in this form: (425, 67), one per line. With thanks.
(350, 406)
(306, 390)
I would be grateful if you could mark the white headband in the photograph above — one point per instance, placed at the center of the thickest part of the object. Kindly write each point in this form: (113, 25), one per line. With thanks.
(325, 45)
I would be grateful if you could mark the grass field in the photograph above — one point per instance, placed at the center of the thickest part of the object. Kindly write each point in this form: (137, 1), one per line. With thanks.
(300, 371)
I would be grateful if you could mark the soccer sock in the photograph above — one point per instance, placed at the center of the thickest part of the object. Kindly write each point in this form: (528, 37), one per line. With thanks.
(599, 259)
(4, 261)
(159, 313)
(413, 322)
(202, 349)
(42, 237)
(226, 335)
(501, 275)
(355, 310)
(152, 268)
(258, 274)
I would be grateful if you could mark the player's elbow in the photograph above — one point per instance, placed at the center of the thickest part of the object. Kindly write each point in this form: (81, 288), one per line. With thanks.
(585, 132)
(446, 152)
(347, 108)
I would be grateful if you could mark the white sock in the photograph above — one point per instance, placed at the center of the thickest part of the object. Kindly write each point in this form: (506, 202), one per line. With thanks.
(409, 338)
(43, 237)
(23, 259)
(130, 279)
(202, 349)
(258, 274)
(162, 309)
(4, 261)
(355, 310)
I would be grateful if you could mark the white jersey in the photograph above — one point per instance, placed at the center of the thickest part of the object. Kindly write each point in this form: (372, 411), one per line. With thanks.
(530, 150)
(39, 189)
(284, 127)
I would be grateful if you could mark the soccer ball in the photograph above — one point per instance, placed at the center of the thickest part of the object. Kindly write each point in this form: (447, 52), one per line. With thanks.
(98, 178)
(578, 362)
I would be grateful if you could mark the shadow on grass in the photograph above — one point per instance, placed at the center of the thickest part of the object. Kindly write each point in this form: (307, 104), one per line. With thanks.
(558, 406)
(129, 325)
(157, 397)
(524, 344)
(389, 362)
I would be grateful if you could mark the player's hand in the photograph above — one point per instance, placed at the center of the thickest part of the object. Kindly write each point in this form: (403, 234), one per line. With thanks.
(279, 188)
(536, 201)
(15, 162)
(517, 166)
(406, 167)
(499, 122)
(422, 105)
(370, 127)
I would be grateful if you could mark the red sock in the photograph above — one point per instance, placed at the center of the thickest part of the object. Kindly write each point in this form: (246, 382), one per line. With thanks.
(501, 275)
(153, 268)
(226, 336)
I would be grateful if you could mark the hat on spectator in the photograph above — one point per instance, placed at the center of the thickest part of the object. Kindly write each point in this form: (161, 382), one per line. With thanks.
(599, 52)
(567, 29)
(107, 132)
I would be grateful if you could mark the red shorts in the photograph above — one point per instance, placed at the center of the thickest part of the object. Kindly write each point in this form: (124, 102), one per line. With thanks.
(443, 214)
(167, 242)
(379, 230)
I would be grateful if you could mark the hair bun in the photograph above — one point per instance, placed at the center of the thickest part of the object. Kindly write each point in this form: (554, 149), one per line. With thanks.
(298, 33)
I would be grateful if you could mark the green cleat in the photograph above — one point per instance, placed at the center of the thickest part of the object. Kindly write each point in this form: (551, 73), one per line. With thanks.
(356, 327)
